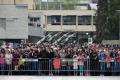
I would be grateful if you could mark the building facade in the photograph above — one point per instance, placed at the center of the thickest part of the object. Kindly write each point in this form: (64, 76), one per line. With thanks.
(13, 21)
(46, 18)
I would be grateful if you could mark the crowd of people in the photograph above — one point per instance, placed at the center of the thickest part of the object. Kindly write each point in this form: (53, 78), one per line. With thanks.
(61, 59)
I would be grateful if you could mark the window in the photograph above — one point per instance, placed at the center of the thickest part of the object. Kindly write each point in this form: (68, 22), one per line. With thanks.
(31, 19)
(38, 25)
(30, 24)
(54, 20)
(84, 20)
(94, 20)
(3, 22)
(34, 21)
(69, 20)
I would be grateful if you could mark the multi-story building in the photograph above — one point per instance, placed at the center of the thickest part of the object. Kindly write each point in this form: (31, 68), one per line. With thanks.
(63, 19)
(58, 19)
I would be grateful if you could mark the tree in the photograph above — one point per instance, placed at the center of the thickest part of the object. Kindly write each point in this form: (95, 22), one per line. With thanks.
(107, 19)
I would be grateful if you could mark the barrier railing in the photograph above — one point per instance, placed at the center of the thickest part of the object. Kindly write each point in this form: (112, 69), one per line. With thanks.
(58, 66)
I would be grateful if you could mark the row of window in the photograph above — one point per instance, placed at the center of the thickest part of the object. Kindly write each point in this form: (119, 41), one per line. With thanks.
(34, 19)
(56, 6)
(66, 20)
(60, 4)
(70, 20)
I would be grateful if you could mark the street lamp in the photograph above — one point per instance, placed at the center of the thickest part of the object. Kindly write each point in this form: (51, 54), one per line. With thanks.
(118, 11)
(90, 40)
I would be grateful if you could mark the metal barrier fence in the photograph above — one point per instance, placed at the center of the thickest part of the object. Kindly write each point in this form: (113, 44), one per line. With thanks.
(60, 67)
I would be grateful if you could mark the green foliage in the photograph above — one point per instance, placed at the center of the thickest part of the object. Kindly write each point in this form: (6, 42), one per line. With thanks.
(107, 19)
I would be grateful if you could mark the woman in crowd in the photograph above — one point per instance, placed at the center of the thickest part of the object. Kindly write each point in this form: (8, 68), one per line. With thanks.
(8, 61)
(75, 64)
(16, 57)
(81, 60)
(2, 63)
(57, 64)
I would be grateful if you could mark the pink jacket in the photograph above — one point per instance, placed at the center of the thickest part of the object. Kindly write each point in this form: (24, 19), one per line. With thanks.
(2, 60)
(108, 59)
(81, 60)
(56, 63)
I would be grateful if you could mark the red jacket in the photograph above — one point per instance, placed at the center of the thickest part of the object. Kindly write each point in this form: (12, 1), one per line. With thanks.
(108, 59)
(56, 63)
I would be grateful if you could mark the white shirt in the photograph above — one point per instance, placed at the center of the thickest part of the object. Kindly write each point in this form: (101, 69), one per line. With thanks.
(8, 58)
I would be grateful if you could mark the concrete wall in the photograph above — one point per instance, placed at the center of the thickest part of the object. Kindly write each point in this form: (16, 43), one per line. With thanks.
(30, 3)
(65, 12)
(6, 1)
(16, 22)
(38, 32)
(82, 28)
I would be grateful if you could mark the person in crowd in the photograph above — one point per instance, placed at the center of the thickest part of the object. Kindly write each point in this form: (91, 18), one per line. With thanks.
(113, 55)
(62, 54)
(69, 59)
(2, 63)
(118, 62)
(102, 60)
(94, 61)
(108, 61)
(2, 51)
(25, 53)
(51, 55)
(44, 61)
(33, 55)
(81, 60)
(8, 61)
(57, 64)
(75, 64)
(16, 57)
